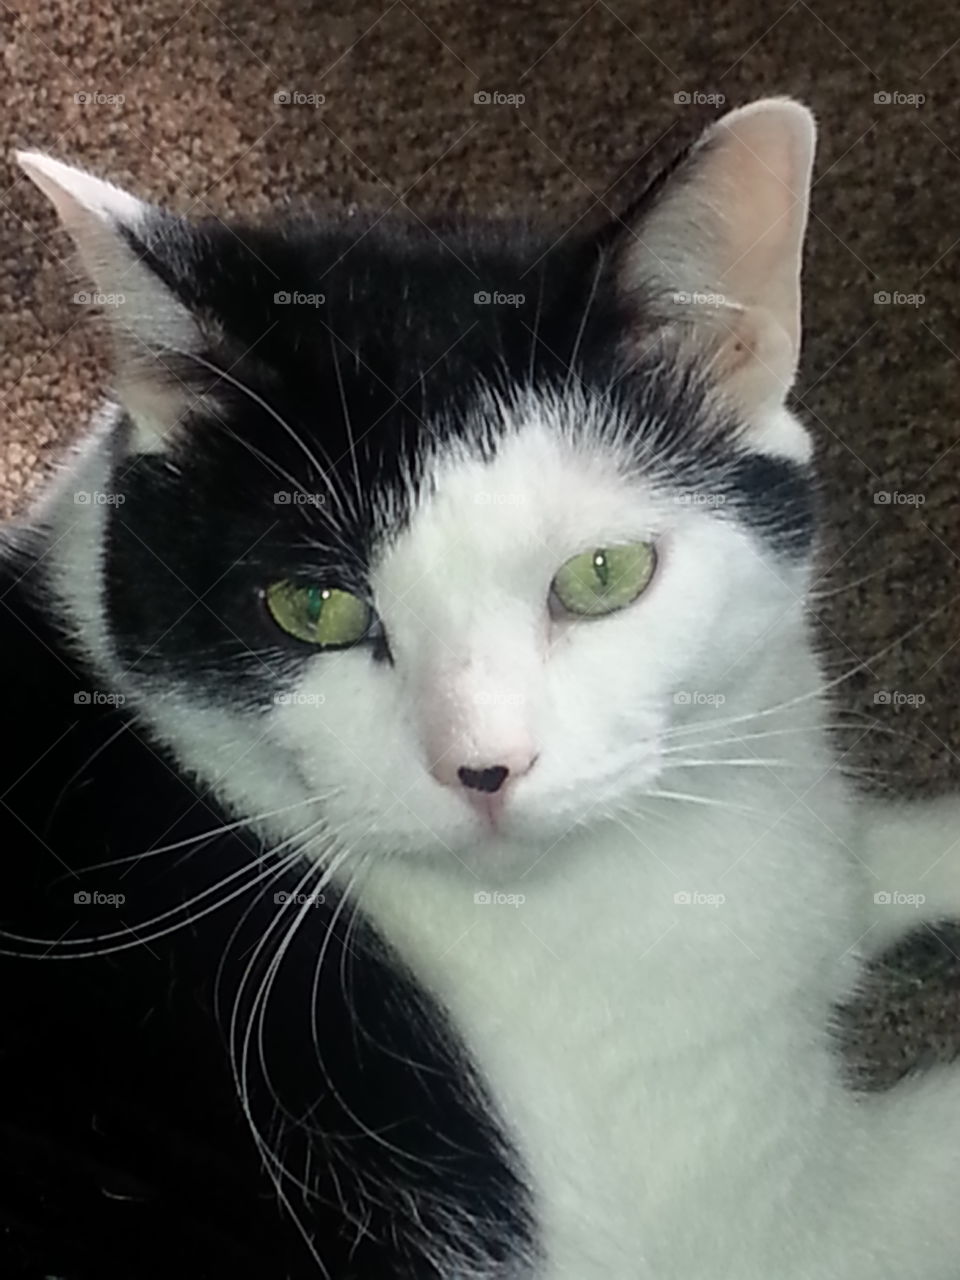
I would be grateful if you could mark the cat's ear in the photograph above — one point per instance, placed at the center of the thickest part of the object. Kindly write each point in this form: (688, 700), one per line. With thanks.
(115, 235)
(719, 248)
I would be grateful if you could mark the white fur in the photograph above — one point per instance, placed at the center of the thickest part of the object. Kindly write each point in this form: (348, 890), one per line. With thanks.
(664, 1067)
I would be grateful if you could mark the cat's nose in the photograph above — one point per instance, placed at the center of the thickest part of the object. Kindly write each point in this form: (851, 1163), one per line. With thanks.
(484, 779)
(485, 786)
(491, 779)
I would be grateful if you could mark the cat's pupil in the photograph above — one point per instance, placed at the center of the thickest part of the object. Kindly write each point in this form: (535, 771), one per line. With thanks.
(601, 568)
(315, 601)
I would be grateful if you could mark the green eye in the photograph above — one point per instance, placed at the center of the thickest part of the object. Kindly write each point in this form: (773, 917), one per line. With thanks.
(602, 581)
(324, 616)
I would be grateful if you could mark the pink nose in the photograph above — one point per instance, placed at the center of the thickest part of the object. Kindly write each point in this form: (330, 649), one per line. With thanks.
(483, 779)
(484, 786)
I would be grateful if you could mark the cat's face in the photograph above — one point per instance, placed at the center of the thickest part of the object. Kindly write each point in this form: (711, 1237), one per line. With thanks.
(465, 569)
(488, 670)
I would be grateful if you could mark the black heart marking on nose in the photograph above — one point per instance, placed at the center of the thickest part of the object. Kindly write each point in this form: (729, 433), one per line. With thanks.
(491, 779)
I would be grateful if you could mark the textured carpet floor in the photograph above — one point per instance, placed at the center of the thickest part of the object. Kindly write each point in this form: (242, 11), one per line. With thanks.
(179, 101)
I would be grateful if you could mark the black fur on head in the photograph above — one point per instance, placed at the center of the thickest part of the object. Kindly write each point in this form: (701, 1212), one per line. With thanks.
(333, 360)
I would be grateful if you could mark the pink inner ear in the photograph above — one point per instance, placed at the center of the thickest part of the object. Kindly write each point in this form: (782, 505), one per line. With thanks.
(755, 359)
(731, 222)
(763, 157)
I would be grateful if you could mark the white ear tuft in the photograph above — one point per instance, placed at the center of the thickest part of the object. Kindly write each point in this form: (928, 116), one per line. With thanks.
(107, 225)
(77, 196)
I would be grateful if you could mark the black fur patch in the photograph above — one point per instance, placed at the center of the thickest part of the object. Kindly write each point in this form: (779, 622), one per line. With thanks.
(377, 346)
(126, 1154)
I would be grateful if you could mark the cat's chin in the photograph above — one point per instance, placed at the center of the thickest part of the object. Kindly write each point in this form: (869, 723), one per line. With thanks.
(520, 846)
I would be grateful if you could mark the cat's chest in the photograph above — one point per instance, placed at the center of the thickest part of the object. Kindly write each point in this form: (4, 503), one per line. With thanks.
(605, 1052)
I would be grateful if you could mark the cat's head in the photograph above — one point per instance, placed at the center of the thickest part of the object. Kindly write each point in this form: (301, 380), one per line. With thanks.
(458, 527)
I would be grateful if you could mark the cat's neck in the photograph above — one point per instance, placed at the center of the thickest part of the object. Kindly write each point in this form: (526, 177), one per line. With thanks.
(744, 889)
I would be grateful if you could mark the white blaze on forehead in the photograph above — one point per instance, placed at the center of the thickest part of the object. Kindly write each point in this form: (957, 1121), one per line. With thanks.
(463, 592)
(487, 536)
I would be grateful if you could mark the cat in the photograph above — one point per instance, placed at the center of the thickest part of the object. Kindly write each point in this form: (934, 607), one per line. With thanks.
(423, 758)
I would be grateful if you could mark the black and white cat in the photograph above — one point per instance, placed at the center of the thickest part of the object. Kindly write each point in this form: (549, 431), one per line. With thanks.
(420, 738)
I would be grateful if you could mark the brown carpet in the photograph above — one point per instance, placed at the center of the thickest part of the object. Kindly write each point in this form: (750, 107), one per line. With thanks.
(177, 101)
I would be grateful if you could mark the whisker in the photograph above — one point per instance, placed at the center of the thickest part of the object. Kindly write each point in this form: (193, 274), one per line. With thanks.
(349, 428)
(240, 1060)
(278, 418)
(822, 689)
(214, 831)
(581, 330)
(138, 939)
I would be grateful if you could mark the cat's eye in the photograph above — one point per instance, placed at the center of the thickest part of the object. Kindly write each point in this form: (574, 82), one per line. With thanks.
(324, 616)
(604, 580)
